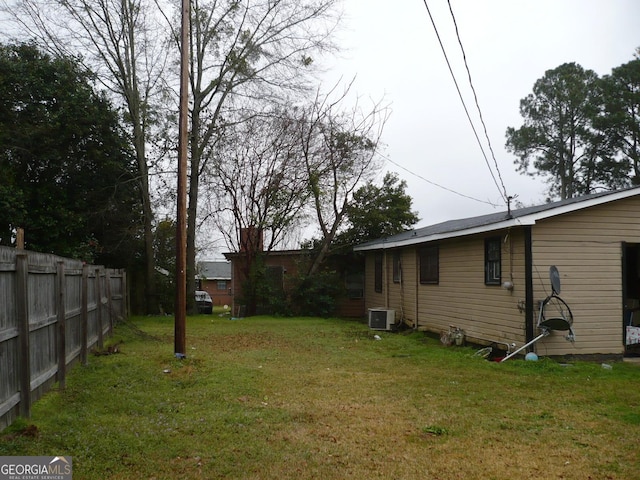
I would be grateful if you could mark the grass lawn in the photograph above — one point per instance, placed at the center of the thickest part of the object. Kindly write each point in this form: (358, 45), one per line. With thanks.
(291, 398)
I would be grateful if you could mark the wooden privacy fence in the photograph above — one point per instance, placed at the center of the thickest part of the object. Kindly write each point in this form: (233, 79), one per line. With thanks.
(53, 311)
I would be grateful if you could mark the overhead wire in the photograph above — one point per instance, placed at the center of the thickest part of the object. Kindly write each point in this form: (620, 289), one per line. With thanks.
(455, 81)
(475, 97)
(436, 184)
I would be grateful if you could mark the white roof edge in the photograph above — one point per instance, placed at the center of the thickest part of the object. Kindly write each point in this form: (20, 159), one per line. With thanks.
(512, 222)
(589, 202)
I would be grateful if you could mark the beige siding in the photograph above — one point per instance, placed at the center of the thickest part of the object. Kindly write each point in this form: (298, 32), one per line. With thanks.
(372, 298)
(402, 295)
(461, 298)
(586, 247)
(410, 281)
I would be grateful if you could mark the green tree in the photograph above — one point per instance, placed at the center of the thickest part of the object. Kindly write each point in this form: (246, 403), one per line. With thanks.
(621, 116)
(122, 43)
(558, 138)
(378, 211)
(68, 175)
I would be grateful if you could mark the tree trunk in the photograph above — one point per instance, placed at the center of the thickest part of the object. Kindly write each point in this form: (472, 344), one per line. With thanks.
(192, 211)
(192, 207)
(151, 298)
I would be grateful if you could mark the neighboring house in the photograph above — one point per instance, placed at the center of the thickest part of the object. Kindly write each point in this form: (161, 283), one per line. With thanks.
(488, 274)
(215, 278)
(282, 267)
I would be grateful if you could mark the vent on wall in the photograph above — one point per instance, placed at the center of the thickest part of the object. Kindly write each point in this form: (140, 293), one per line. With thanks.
(381, 319)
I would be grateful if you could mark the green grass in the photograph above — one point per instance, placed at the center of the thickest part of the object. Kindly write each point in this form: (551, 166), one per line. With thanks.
(280, 398)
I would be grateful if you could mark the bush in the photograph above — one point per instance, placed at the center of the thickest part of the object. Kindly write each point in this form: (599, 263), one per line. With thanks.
(316, 295)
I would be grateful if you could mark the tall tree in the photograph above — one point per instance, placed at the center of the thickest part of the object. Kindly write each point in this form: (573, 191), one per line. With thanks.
(121, 41)
(69, 169)
(244, 52)
(620, 120)
(558, 138)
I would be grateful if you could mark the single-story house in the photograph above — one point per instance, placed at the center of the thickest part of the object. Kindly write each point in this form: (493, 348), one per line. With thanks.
(488, 274)
(282, 268)
(215, 279)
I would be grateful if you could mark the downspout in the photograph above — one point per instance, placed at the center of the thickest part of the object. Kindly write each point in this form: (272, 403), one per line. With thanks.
(417, 283)
(625, 274)
(528, 274)
(385, 285)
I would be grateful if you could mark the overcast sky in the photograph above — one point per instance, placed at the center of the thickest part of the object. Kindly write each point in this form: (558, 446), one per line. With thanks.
(392, 49)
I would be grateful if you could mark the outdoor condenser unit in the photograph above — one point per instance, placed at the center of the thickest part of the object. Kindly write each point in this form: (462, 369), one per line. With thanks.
(381, 319)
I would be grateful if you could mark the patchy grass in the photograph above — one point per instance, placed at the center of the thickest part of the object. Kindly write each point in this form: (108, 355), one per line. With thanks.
(270, 398)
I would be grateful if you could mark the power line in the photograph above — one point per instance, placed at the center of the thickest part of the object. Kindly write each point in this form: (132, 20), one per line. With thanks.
(463, 102)
(475, 97)
(436, 184)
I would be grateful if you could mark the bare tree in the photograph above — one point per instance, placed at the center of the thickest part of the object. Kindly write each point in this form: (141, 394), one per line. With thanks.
(339, 151)
(257, 192)
(245, 52)
(121, 41)
(258, 181)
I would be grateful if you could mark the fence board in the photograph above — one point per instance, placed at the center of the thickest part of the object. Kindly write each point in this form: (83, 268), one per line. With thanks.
(52, 311)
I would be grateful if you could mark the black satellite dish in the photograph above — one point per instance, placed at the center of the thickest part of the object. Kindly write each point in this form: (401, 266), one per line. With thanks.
(554, 276)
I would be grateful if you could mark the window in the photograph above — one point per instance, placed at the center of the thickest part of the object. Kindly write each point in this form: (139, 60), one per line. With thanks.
(355, 285)
(492, 261)
(274, 278)
(378, 273)
(429, 265)
(397, 267)
(222, 284)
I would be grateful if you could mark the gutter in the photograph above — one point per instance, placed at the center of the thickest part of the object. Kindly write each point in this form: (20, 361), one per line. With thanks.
(417, 239)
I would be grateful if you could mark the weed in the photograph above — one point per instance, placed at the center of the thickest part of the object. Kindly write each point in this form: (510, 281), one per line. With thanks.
(434, 430)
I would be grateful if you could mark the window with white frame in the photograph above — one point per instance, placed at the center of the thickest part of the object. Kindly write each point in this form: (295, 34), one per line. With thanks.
(492, 261)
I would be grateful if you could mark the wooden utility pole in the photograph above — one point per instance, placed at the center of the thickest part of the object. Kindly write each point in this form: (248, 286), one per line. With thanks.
(181, 233)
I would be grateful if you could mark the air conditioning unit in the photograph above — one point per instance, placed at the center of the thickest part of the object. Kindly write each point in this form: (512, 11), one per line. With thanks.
(381, 319)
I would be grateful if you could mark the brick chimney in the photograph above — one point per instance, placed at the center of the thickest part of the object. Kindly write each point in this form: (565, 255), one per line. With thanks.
(251, 239)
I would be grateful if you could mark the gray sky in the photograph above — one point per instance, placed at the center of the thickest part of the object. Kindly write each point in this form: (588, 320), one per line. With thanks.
(392, 49)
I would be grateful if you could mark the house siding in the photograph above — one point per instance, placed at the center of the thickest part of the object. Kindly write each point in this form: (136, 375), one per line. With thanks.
(586, 247)
(487, 313)
(410, 279)
(395, 290)
(372, 298)
(402, 295)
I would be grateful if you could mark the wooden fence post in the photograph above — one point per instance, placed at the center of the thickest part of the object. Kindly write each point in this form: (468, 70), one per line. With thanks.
(62, 332)
(20, 238)
(99, 308)
(22, 312)
(109, 300)
(84, 327)
(126, 298)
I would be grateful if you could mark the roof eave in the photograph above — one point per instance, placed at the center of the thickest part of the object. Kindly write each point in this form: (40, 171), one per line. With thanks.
(524, 220)
(385, 244)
